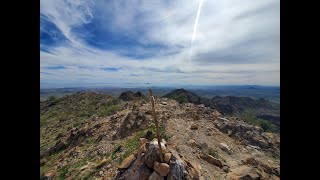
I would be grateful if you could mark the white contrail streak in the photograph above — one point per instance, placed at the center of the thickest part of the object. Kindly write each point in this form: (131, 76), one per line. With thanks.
(195, 28)
(196, 22)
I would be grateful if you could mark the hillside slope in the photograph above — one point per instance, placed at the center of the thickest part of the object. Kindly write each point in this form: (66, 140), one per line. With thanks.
(91, 136)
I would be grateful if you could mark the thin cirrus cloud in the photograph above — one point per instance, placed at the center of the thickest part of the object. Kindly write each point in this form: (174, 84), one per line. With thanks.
(134, 42)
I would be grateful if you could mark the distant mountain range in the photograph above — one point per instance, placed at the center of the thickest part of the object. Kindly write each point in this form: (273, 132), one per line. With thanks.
(232, 105)
(271, 93)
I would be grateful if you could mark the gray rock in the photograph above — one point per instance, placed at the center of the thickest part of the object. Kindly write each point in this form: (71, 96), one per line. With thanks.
(155, 176)
(176, 170)
(225, 148)
(225, 169)
(153, 153)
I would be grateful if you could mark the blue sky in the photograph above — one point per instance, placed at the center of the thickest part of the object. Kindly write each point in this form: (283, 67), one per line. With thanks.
(198, 42)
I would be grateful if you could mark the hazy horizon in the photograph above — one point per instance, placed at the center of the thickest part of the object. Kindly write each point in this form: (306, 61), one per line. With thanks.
(133, 85)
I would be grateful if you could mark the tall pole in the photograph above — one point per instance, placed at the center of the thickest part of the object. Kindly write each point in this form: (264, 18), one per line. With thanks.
(152, 101)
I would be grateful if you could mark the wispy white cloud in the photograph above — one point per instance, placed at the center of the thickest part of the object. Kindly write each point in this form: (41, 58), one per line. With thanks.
(236, 42)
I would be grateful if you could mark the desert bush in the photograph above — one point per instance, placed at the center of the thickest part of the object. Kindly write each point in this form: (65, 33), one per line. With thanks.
(264, 124)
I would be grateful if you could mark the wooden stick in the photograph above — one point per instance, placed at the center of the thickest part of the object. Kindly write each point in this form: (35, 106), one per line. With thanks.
(157, 127)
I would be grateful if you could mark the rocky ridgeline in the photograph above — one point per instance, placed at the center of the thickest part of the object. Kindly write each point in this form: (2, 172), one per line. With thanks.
(146, 164)
(253, 136)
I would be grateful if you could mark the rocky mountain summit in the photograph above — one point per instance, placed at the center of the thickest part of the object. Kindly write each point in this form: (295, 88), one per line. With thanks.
(97, 136)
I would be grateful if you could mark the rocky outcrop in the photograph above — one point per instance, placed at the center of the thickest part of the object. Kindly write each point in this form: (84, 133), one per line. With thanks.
(249, 134)
(265, 167)
(129, 95)
(133, 122)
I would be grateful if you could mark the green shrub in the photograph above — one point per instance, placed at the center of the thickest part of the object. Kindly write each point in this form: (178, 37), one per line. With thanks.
(182, 98)
(63, 173)
(108, 110)
(264, 124)
(213, 153)
(267, 126)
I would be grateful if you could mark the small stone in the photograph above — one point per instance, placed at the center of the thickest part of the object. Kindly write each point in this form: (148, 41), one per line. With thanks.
(194, 127)
(100, 173)
(192, 143)
(163, 141)
(251, 161)
(212, 160)
(48, 175)
(225, 148)
(225, 169)
(229, 132)
(109, 166)
(155, 176)
(244, 150)
(167, 157)
(161, 168)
